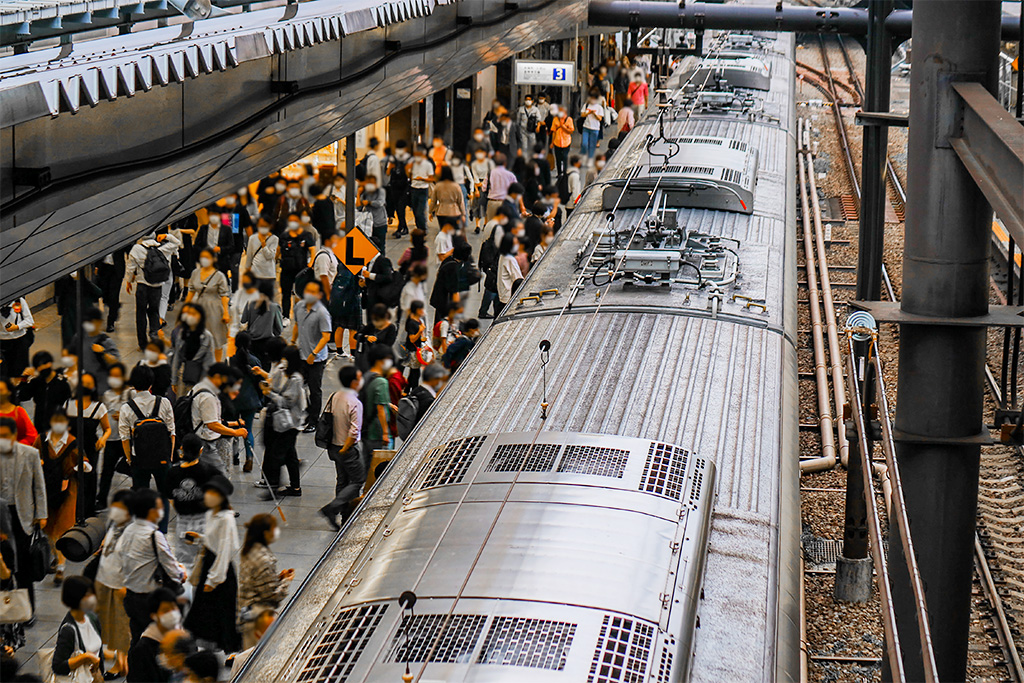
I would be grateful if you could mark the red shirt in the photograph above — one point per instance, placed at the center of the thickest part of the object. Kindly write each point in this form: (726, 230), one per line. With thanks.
(396, 387)
(26, 430)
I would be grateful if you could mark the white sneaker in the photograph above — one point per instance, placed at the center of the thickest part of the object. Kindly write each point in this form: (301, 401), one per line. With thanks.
(287, 322)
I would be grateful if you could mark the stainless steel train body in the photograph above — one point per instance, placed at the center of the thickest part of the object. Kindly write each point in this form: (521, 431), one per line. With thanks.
(647, 528)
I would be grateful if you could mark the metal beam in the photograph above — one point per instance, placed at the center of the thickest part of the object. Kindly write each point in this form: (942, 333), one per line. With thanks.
(991, 146)
(786, 18)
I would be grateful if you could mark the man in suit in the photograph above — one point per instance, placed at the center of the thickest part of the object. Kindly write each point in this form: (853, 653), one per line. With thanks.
(22, 486)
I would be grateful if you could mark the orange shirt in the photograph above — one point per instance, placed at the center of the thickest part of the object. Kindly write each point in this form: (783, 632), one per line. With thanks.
(561, 131)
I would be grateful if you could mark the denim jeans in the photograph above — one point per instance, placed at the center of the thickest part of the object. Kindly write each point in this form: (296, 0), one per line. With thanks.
(418, 199)
(588, 142)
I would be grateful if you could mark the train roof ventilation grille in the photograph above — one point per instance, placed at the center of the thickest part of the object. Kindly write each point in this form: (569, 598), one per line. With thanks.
(602, 462)
(623, 649)
(697, 170)
(665, 471)
(668, 649)
(698, 482)
(426, 639)
(537, 643)
(513, 457)
(453, 462)
(343, 642)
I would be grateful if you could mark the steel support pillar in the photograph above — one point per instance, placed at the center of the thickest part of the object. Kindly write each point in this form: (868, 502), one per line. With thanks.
(351, 185)
(938, 426)
(875, 148)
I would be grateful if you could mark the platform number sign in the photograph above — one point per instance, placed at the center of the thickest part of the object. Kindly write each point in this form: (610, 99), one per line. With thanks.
(536, 72)
(356, 250)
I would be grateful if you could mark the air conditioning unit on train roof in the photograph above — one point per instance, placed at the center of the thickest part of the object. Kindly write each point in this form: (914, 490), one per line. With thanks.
(691, 172)
(741, 72)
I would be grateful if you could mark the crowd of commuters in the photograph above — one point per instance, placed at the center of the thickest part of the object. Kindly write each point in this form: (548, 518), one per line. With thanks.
(241, 309)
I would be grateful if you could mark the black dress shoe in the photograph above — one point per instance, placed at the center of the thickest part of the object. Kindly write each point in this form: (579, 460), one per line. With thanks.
(110, 327)
(331, 519)
(290, 491)
(309, 429)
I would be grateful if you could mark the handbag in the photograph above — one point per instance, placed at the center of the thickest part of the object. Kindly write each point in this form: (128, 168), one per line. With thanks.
(364, 220)
(90, 570)
(82, 674)
(160, 574)
(39, 555)
(193, 372)
(197, 567)
(15, 607)
(283, 420)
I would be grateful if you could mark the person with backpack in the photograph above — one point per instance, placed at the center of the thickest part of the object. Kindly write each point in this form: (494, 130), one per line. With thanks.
(200, 412)
(398, 187)
(527, 120)
(380, 330)
(249, 400)
(263, 321)
(414, 341)
(446, 329)
(298, 248)
(413, 407)
(311, 333)
(380, 284)
(23, 488)
(147, 429)
(562, 128)
(100, 349)
(346, 412)
(488, 262)
(463, 344)
(447, 289)
(192, 348)
(574, 182)
(321, 215)
(376, 400)
(149, 266)
(285, 386)
(185, 483)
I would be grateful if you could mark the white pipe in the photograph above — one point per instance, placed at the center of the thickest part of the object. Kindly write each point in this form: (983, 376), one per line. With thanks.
(828, 447)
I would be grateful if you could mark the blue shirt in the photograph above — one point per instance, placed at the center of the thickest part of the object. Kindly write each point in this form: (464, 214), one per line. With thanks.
(312, 324)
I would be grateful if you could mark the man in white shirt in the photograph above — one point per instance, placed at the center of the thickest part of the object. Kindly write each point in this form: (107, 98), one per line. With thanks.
(325, 265)
(147, 294)
(421, 172)
(373, 159)
(261, 253)
(443, 246)
(206, 418)
(593, 118)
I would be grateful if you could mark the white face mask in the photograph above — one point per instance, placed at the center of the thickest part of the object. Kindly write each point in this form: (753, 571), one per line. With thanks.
(67, 361)
(229, 201)
(280, 187)
(151, 356)
(479, 137)
(90, 328)
(205, 261)
(371, 188)
(481, 155)
(214, 222)
(118, 515)
(275, 535)
(190, 319)
(293, 225)
(59, 427)
(599, 163)
(310, 298)
(283, 364)
(263, 230)
(115, 382)
(294, 192)
(89, 604)
(7, 445)
(160, 514)
(387, 364)
(305, 219)
(170, 620)
(360, 384)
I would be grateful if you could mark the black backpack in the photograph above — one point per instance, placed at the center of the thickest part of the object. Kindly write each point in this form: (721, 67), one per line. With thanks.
(368, 417)
(531, 123)
(324, 435)
(153, 434)
(408, 409)
(293, 253)
(361, 168)
(183, 425)
(489, 261)
(306, 275)
(563, 188)
(398, 180)
(156, 268)
(469, 274)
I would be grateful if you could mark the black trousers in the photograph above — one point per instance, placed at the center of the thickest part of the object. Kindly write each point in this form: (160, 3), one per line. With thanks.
(315, 380)
(351, 473)
(147, 313)
(110, 279)
(112, 454)
(138, 613)
(561, 160)
(23, 572)
(287, 284)
(400, 204)
(279, 451)
(15, 353)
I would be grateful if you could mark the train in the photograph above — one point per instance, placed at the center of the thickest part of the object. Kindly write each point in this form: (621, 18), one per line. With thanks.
(608, 488)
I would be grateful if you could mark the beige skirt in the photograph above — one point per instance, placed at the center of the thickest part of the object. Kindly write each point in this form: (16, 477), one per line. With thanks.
(113, 619)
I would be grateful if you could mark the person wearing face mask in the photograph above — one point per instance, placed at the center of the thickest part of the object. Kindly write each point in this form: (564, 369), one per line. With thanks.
(556, 213)
(208, 417)
(638, 91)
(574, 184)
(547, 236)
(79, 632)
(509, 272)
(163, 616)
(298, 248)
(100, 349)
(421, 172)
(247, 294)
(184, 486)
(375, 398)
(337, 194)
(459, 349)
(543, 119)
(446, 329)
(109, 583)
(488, 260)
(311, 332)
(212, 616)
(480, 169)
(248, 203)
(208, 288)
(16, 336)
(58, 450)
(261, 586)
(285, 387)
(347, 412)
(117, 394)
(371, 198)
(149, 281)
(223, 243)
(192, 348)
(446, 207)
(562, 128)
(65, 295)
(93, 438)
(46, 388)
(267, 193)
(398, 188)
(380, 330)
(291, 202)
(498, 184)
(600, 161)
(262, 253)
(527, 121)
(479, 142)
(592, 115)
(26, 431)
(154, 358)
(234, 212)
(23, 487)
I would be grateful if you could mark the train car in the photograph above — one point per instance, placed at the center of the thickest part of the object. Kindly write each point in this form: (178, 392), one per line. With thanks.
(607, 490)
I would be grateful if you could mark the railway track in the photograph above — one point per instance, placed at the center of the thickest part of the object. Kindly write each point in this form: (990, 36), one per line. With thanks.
(998, 596)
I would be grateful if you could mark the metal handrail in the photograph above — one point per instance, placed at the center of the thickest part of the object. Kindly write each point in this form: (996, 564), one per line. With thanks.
(892, 641)
(899, 507)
